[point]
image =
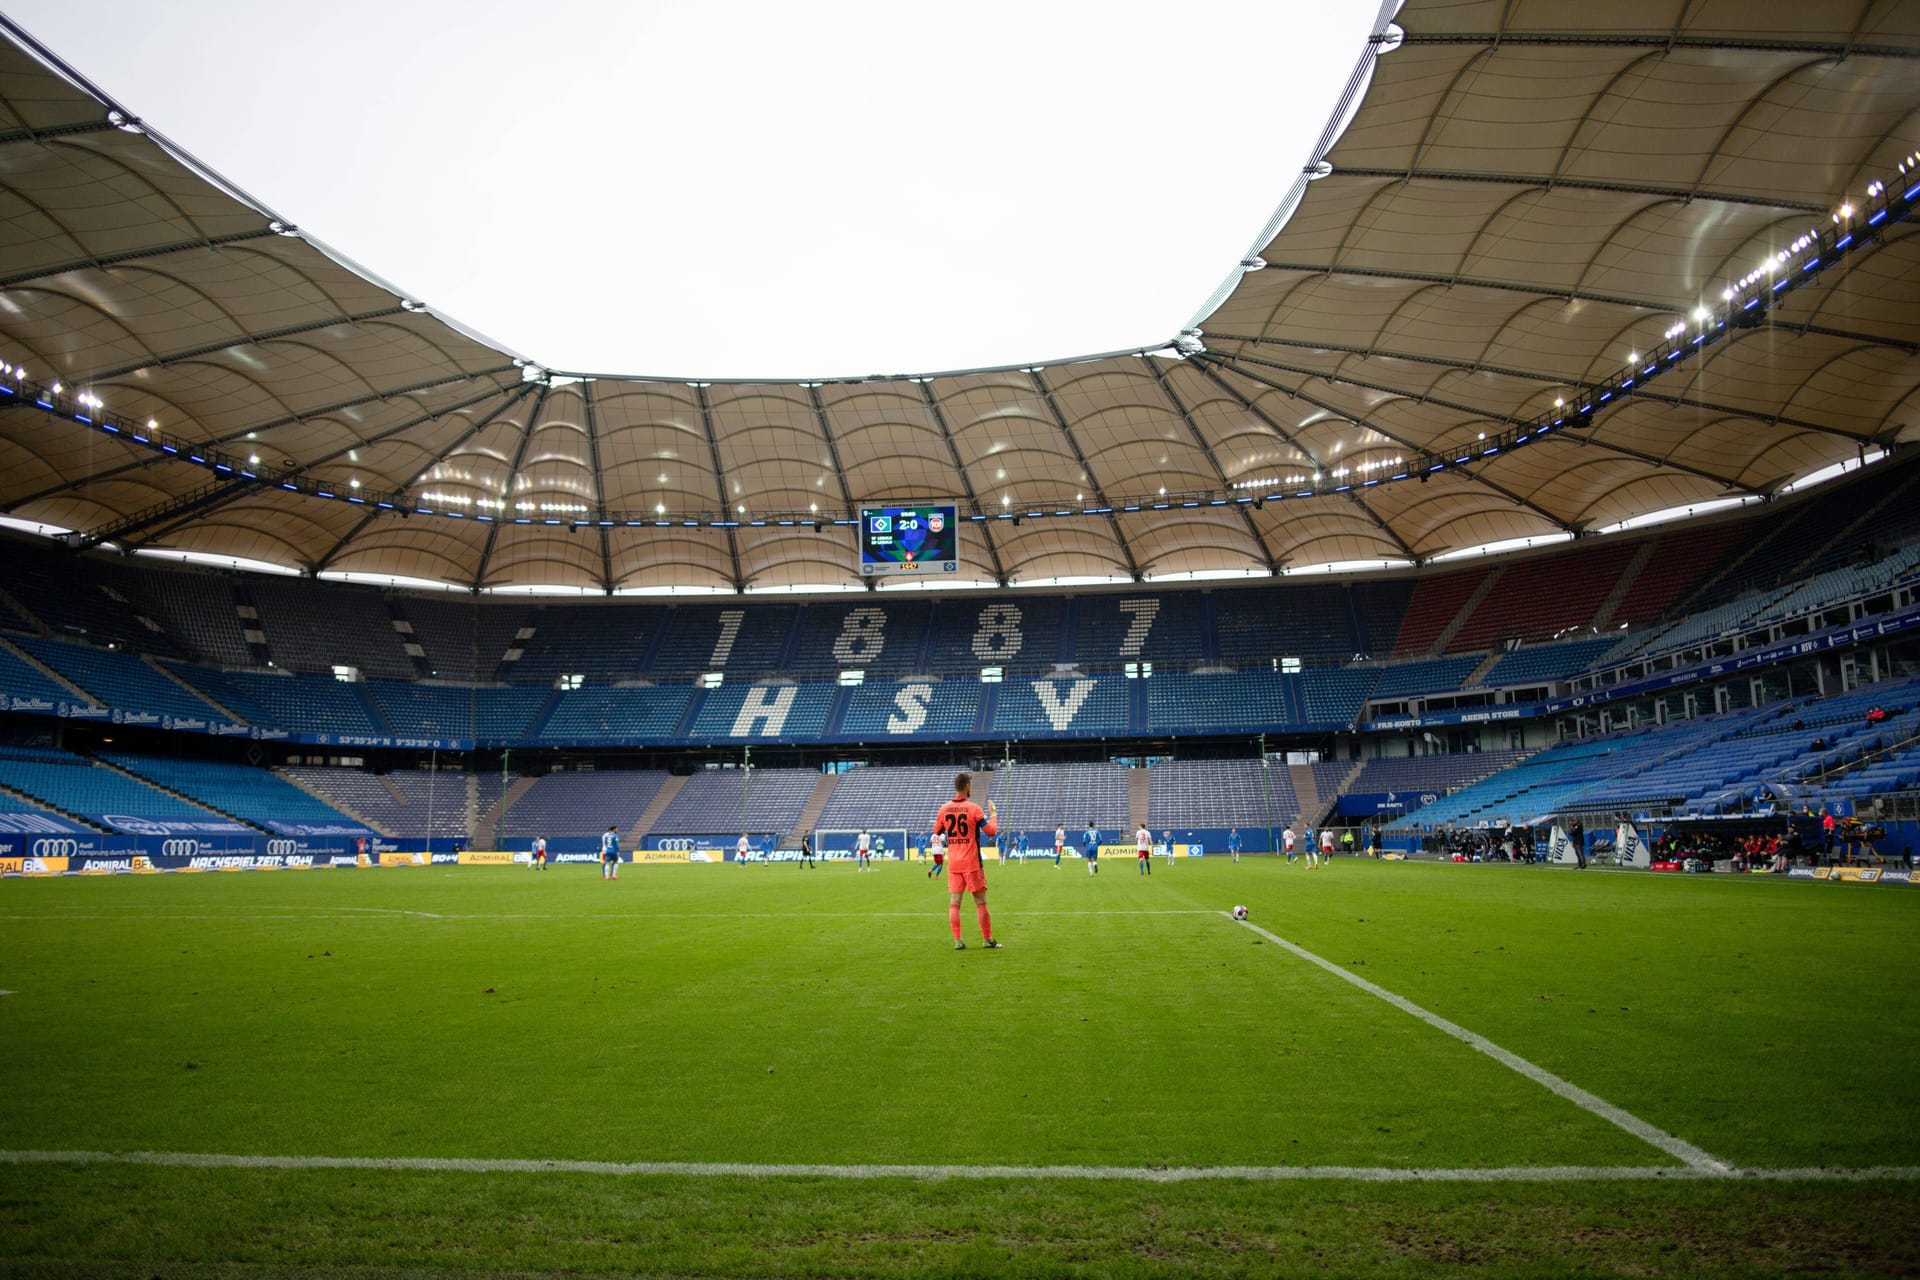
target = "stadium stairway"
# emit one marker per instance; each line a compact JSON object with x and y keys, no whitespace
{"x":816,"y":805}
{"x":1306,"y":790}
{"x":334,"y":802}
{"x":494,"y":819}
{"x":1138,"y":812}
{"x":661,"y":799}
{"x":200,"y":694}
{"x":26,"y":614}
{"x":399,"y":796}
{"x":1628,"y":576}
{"x":79,"y":694}
{"x":472,"y":804}
{"x":1474,"y":601}
{"x":1476,"y":677}
{"x":182,"y":796}
{"x":1327,"y":805}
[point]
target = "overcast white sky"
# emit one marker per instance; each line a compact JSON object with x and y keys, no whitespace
{"x":742,"y":189}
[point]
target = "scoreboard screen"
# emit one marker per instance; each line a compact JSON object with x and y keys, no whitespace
{"x":919,"y":539}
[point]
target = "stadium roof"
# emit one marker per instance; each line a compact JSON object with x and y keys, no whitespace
{"x":1520,"y":221}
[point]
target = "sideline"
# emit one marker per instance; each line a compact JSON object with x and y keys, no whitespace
{"x":939,"y":1172}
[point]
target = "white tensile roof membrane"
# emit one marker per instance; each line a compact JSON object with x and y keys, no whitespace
{"x":1527,"y":193}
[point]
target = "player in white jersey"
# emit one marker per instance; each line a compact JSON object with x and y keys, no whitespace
{"x":742,"y":849}
{"x":863,"y":852}
{"x":1143,"y":849}
{"x":1287,"y":838}
{"x":539,"y":853}
{"x":1059,"y":845}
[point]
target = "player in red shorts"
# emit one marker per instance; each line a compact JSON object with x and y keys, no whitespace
{"x":962,"y":823}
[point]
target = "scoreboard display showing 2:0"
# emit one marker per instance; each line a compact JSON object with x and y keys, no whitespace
{"x":913,"y":539}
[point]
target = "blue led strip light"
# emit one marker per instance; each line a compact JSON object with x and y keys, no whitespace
{"x":1745,"y":305}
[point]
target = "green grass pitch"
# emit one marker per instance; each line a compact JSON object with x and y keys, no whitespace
{"x":779,"y":1015}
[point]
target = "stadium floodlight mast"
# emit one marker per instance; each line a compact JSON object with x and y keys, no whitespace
{"x":1266,"y":788}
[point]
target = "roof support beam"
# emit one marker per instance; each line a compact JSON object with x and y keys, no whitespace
{"x":1458,"y":407}
{"x":215,"y":493}
{"x":1579,"y":184}
{"x":132,"y":255}
{"x":1472,"y":366}
{"x":1060,"y":420}
{"x":1205,"y":366}
{"x":1474,"y":476}
{"x":833,"y":448}
{"x":720,"y":483}
{"x":76,"y":129}
{"x":599,"y":484}
{"x":1226,"y":484}
{"x":519,"y":456}
{"x":1656,"y":40}
{"x":147,"y":461}
{"x":246,"y":339}
{"x":966,"y":481}
{"x":514,"y":396}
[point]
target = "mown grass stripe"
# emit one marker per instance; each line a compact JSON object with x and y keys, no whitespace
{"x":1678,"y":1148}
{"x":938,"y":1172}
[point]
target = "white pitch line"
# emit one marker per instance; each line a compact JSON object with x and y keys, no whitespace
{"x":1678,"y":1148}
{"x":937,"y":1172}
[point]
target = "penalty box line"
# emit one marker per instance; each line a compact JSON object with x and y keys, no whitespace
{"x":1680,"y":1149}
{"x":940,"y":1172}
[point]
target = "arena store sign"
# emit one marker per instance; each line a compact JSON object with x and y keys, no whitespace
{"x":1484,"y":715}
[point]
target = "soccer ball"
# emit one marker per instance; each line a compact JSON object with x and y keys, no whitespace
{"x":1239,"y":913}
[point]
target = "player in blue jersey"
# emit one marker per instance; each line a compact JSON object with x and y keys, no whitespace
{"x":1090,"y":845}
{"x":610,"y":854}
{"x":1233,"y":843}
{"x":1020,"y":846}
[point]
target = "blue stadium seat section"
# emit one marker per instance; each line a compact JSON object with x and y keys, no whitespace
{"x":73,"y":784}
{"x":912,"y":708}
{"x":714,"y":801}
{"x":85,"y":598}
{"x":21,"y":679}
{"x":1534,"y":664}
{"x":199,"y":610}
{"x":1039,"y":797}
{"x":735,"y":640}
{"x":1393,"y":786}
{"x":624,"y":714}
{"x":604,"y":643}
{"x":1014,"y":632}
{"x":460,"y":641}
{"x":1408,"y":679}
{"x":1110,"y":630}
{"x":1063,"y":706}
{"x":312,"y":626}
{"x":583,"y":803}
{"x":1335,"y":695}
{"x":770,"y":712}
{"x":1243,"y":701}
{"x":307,"y":703}
{"x":253,"y":795}
{"x":905,"y":796}
{"x":1312,"y":622}
{"x":457,"y":711}
{"x":220,"y":687}
{"x":409,"y":804}
{"x":1222,"y":793}
{"x":882,"y":640}
{"x":121,"y":680}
